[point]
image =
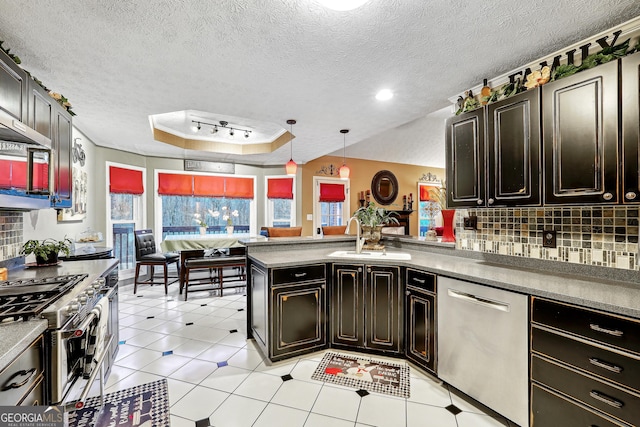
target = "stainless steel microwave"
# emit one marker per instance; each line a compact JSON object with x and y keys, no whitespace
{"x":25,"y":176}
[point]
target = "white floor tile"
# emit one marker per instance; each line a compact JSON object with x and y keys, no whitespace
{"x":125,"y":350}
{"x":139,"y":359}
{"x":237,"y":339}
{"x":277,"y":368}
{"x":192,"y":348}
{"x":259,"y":386}
{"x":167,"y":343}
{"x":317,"y":420}
{"x":177,"y":390}
{"x":126,"y":333}
{"x":118,"y":373}
{"x":465,"y":405}
{"x":237,"y":411}
{"x":226,"y":378}
{"x":297,"y":394}
{"x":130,"y":320}
{"x":180,"y":422}
{"x":218,"y":353}
{"x":382,"y":411}
{"x":429,"y":416}
{"x":245,"y":358}
{"x":203,"y":333}
{"x":274,"y":415}
{"x":304,"y":369}
{"x":144,"y":339}
{"x":211,"y":320}
{"x":166,"y":365}
{"x":194,"y":371}
{"x":199,"y":403}
{"x":429,"y":393}
{"x":148,"y":324}
{"x":338,"y":403}
{"x":168,"y":327}
{"x":137,"y":378}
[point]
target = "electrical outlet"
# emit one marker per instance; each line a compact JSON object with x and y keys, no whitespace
{"x":549,"y":238}
{"x":471,"y":222}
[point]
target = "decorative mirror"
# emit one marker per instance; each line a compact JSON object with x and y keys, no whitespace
{"x":384,"y":187}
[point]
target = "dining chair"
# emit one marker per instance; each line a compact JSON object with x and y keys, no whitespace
{"x":284,"y":231}
{"x":329,"y":230}
{"x":147,"y":254}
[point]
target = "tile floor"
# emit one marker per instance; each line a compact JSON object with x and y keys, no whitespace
{"x":217,"y":377}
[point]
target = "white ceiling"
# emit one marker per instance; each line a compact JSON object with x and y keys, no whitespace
{"x":119,"y":62}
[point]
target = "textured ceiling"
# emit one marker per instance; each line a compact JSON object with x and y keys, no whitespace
{"x":271,"y":60}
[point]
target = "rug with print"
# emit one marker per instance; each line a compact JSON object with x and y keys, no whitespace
{"x":364,"y":373}
{"x":145,"y":405}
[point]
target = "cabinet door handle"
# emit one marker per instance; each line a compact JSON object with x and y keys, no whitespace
{"x":600,"y":364}
{"x":607,"y":196}
{"x":421,"y":281}
{"x":299,"y":275}
{"x":479,"y":202}
{"x":630,"y":195}
{"x":30,"y":373}
{"x":598,"y":328}
{"x":606,"y":399}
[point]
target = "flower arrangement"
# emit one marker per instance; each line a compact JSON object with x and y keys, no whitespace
{"x":373,"y":216}
{"x":62,"y":100}
{"x":538,"y":77}
{"x":439,"y":196}
{"x":199,"y":220}
{"x":228,"y":216}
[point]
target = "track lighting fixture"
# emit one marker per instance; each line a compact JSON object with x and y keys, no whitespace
{"x":197,"y":125}
{"x":344,"y":170}
{"x":291,"y":167}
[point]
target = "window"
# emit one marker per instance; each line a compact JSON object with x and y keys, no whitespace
{"x":280,"y":201}
{"x":186,"y":201}
{"x":428,"y":210}
{"x":125,"y":208}
{"x":331,"y":206}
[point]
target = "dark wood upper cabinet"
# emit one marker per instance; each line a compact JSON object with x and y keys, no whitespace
{"x":513,"y":150}
{"x":13,"y":88}
{"x":631,"y":128}
{"x":580,"y":130}
{"x":41,"y":107}
{"x":465,"y":159}
{"x":63,"y":172}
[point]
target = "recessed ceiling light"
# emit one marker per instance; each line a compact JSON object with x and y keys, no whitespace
{"x":384,"y":95}
{"x":342,"y":4}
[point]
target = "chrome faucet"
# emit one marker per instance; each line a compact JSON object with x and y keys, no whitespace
{"x":359,"y":240}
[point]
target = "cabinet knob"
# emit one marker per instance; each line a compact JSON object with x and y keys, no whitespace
{"x":480,"y":202}
{"x":368,"y":270}
{"x":630,"y":195}
{"x":407,"y":293}
{"x":359,"y":269}
{"x":490,"y":201}
{"x":607,"y":196}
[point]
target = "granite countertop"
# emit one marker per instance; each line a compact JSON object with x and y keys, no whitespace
{"x":15,"y":337}
{"x":616,"y":296}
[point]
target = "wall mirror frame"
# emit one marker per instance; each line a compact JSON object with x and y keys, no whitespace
{"x":384,"y":187}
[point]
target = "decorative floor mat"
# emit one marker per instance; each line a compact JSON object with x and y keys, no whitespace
{"x":145,"y":405}
{"x":364,"y":373}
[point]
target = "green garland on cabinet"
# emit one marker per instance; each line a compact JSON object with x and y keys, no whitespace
{"x":507,"y":90}
{"x":60,"y":99}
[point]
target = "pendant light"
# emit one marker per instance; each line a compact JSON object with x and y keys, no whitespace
{"x":344,"y":169}
{"x":291,"y":167}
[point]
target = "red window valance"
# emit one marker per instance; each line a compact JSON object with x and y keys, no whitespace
{"x":210,"y":186}
{"x":280,"y":188}
{"x":125,"y":181}
{"x":170,"y":184}
{"x":331,"y":192}
{"x":239,"y":188}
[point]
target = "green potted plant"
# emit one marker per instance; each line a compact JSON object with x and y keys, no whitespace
{"x":47,"y":250}
{"x":372,"y":218}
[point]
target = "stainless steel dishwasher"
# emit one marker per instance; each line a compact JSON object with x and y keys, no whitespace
{"x":483,"y":345}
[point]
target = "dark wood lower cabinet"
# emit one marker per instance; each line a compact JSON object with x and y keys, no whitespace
{"x":549,"y":409}
{"x":367,"y":308}
{"x":298,"y":318}
{"x":420,"y":324}
{"x":258,"y":309}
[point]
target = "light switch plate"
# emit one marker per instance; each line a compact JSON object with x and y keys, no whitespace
{"x":309,"y":217}
{"x":549,"y":238}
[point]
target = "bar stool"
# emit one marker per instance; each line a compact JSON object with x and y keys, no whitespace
{"x":147,"y":254}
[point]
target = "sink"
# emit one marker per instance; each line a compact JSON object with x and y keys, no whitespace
{"x":377,"y":255}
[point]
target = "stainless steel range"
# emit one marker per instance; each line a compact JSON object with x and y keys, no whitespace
{"x":77,"y":311}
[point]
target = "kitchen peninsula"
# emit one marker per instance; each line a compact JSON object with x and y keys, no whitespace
{"x":301,"y":298}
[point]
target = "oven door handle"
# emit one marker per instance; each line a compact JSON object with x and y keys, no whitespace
{"x":29,"y":374}
{"x":82,"y":328}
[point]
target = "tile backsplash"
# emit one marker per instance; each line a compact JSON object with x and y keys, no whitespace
{"x":10,"y":234}
{"x":599,"y":236}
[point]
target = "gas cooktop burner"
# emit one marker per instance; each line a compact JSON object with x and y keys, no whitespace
{"x":22,"y":299}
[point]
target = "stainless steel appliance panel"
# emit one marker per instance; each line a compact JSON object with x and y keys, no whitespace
{"x":483,"y":345}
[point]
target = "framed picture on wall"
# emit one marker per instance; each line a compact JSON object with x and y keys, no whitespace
{"x":78,"y":210}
